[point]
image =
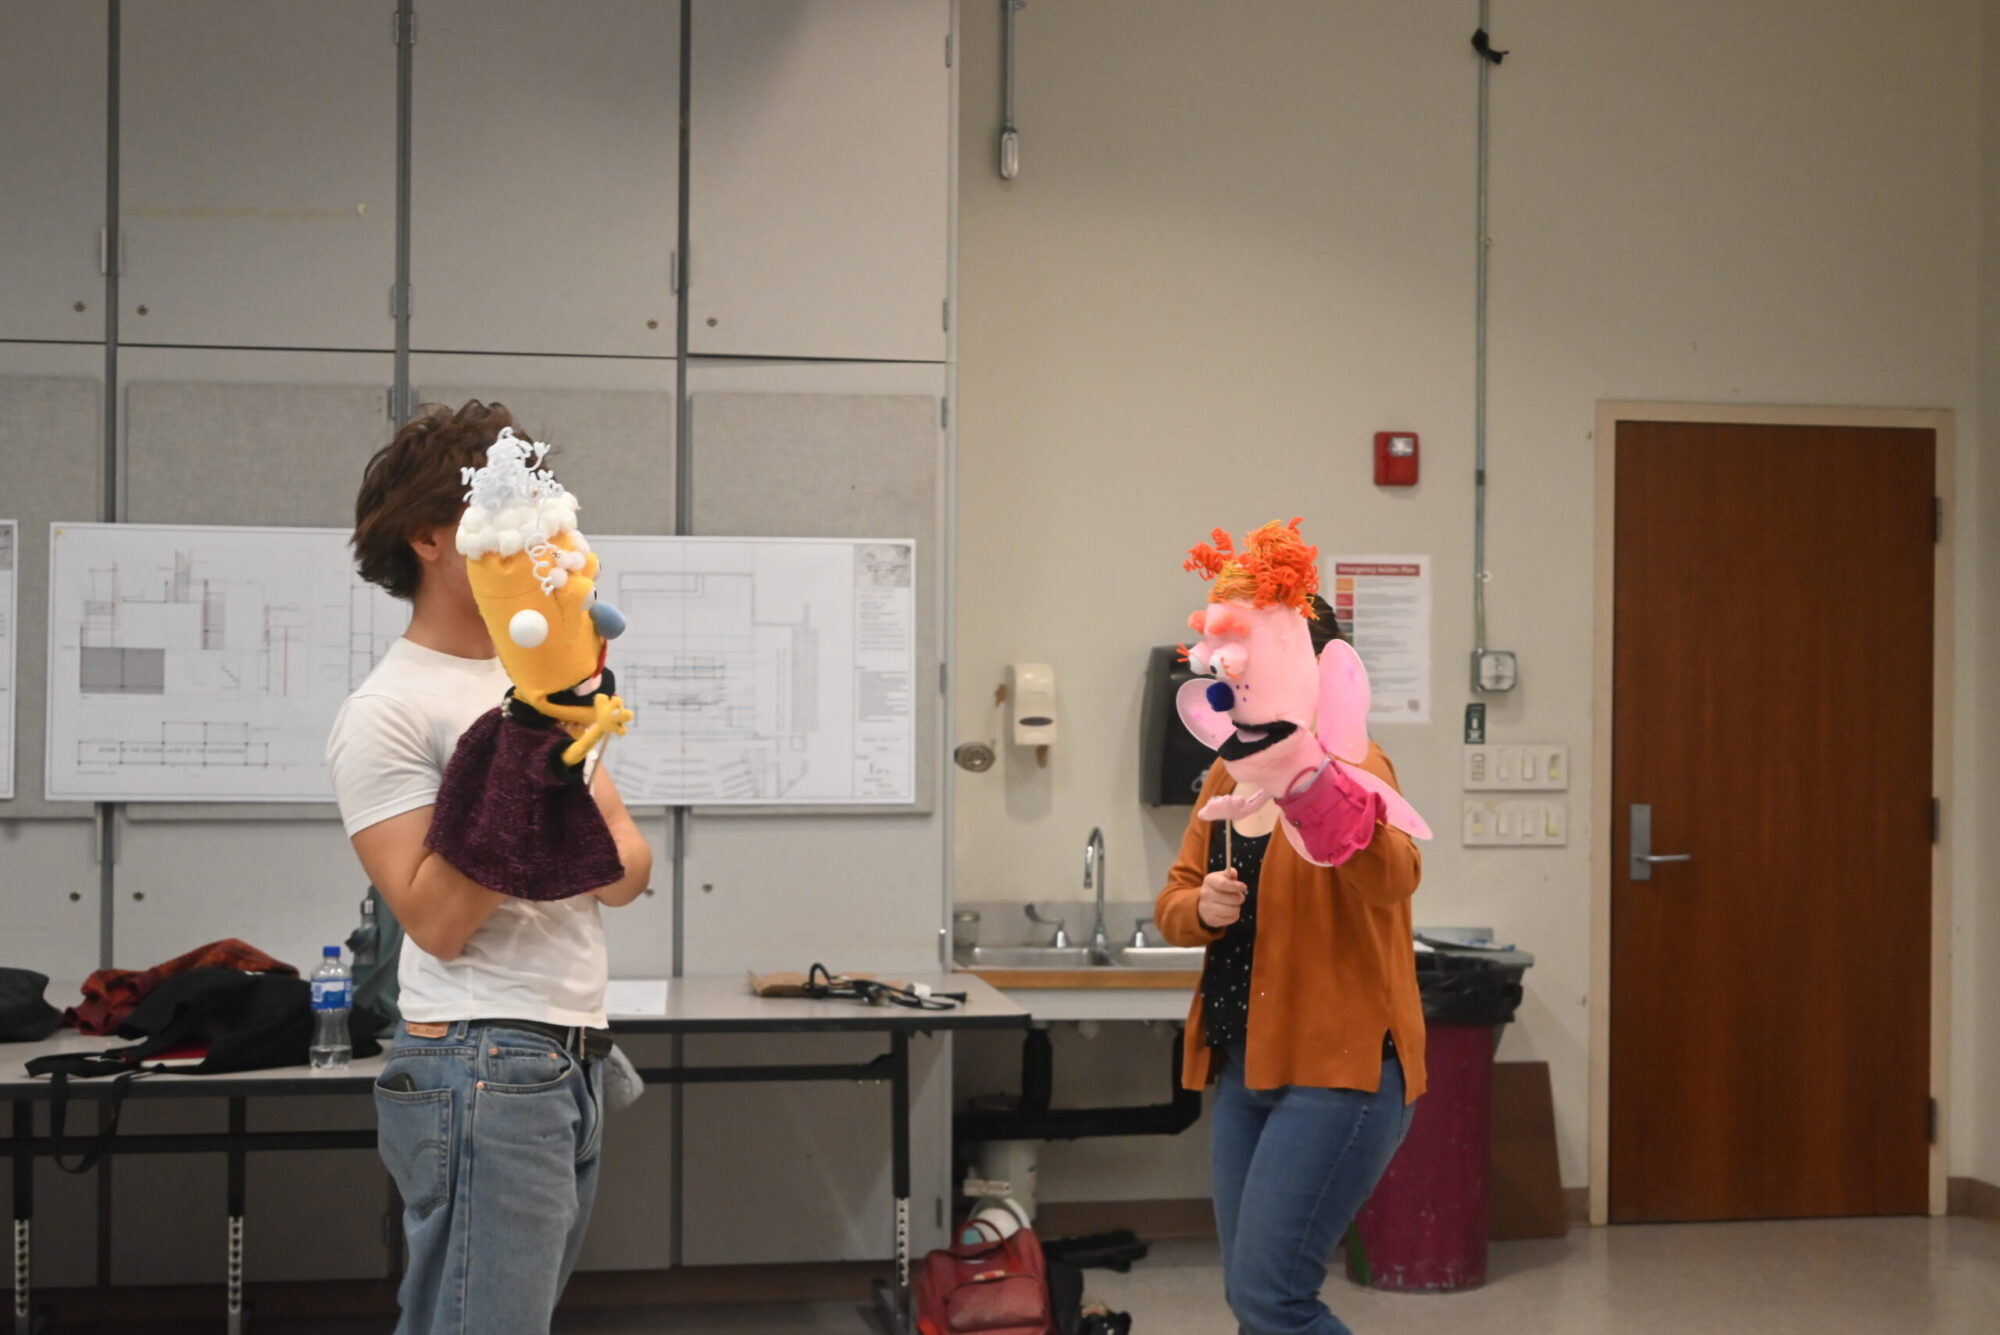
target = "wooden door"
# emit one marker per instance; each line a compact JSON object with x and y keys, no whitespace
{"x":1770,"y":1035}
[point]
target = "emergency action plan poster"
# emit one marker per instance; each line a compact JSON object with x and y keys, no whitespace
{"x":1385,"y":603}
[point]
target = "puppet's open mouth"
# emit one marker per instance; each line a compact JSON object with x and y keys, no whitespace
{"x":1249,"y":739}
{"x":597,"y":683}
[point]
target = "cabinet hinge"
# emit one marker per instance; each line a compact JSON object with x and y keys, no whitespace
{"x":1937,"y":519}
{"x":947,"y":315}
{"x":1937,"y":821}
{"x":944,"y":414}
{"x":399,"y":301}
{"x":947,"y":50}
{"x":674,"y":272}
{"x":944,"y":677}
{"x":1931,"y":1128}
{"x":396,"y":30}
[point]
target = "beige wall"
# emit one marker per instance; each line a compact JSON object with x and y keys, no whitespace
{"x":1976,"y":1041}
{"x":1241,"y":242}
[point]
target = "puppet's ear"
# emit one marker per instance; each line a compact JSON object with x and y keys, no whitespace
{"x":1343,"y":703}
{"x":1210,"y":728}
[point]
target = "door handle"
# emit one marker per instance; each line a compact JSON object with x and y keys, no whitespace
{"x":1644,"y":859}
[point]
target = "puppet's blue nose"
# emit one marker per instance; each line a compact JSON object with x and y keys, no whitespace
{"x":1220,"y":697}
{"x":609,"y":621}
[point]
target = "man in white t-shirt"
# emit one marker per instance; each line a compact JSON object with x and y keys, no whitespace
{"x":495,"y":1058}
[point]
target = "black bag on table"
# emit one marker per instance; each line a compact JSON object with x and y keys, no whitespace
{"x":244,"y":1021}
{"x":25,"y":1016}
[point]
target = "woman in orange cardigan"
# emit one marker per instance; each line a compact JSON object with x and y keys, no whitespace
{"x":1309,"y":1023}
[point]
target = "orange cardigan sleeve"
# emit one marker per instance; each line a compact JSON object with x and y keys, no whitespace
{"x":1175,"y":912}
{"x":1388,"y":870}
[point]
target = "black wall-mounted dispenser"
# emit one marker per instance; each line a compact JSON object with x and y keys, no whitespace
{"x":1172,"y":763}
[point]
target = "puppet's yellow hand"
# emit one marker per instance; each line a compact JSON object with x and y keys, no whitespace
{"x":611,"y":718}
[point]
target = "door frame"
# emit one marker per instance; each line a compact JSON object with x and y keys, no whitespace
{"x":1610,"y":412}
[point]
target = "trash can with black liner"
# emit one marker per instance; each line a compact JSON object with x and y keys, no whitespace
{"x":1424,"y":1229}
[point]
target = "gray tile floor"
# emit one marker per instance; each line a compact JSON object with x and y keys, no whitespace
{"x":1834,"y":1277}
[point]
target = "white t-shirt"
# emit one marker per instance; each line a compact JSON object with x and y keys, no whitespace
{"x":390,"y":744}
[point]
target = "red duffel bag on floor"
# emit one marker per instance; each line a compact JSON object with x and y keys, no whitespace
{"x":992,"y":1286}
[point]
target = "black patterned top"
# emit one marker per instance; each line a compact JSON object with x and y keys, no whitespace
{"x":1225,"y":976}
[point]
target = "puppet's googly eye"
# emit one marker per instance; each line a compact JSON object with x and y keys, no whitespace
{"x":1198,"y":661}
{"x":528,"y":629}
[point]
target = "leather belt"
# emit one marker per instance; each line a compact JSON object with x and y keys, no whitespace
{"x":574,"y":1039}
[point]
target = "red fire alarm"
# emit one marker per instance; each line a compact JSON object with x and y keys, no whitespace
{"x":1395,"y":458}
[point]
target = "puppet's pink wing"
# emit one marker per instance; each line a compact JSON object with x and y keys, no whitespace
{"x":1343,"y":703}
{"x":1210,"y":728}
{"x":1396,"y":809}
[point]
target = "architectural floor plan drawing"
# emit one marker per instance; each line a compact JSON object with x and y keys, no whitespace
{"x":10,"y":551}
{"x":764,"y":671}
{"x":203,"y":664}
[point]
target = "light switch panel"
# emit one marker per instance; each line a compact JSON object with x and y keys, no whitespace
{"x":1491,"y":822}
{"x":1524,"y":768}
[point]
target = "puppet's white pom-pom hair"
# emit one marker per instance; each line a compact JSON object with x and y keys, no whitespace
{"x":528,"y":629}
{"x":512,"y":503}
{"x":570,"y":560}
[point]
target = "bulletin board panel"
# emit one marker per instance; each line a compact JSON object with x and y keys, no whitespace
{"x":267,"y":454}
{"x":50,"y":432}
{"x":837,"y":466}
{"x":280,"y":452}
{"x":613,"y":448}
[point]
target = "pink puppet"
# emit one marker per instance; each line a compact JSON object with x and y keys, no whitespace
{"x":1288,"y":725}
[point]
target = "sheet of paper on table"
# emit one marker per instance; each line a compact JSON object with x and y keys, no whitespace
{"x":635,"y":996}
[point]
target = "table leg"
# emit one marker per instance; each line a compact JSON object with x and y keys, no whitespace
{"x":900,"y":1083}
{"x":239,"y":1123}
{"x":24,"y":1213}
{"x":894,"y":1304}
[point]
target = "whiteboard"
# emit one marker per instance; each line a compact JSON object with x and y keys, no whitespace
{"x":9,"y":671}
{"x":203,"y":663}
{"x":764,"y":671}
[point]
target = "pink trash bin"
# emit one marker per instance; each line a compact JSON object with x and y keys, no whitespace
{"x":1424,"y":1229}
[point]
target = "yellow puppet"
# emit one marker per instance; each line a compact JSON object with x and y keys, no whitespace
{"x":514,"y":812}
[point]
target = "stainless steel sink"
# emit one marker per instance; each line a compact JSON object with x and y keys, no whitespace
{"x":1028,"y":957}
{"x":1160,"y":957}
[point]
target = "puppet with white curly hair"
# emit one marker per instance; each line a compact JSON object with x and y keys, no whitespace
{"x":514,"y":812}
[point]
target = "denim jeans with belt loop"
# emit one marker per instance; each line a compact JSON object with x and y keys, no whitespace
{"x":492,"y":1135}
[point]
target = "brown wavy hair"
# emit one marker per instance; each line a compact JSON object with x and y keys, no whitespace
{"x":413,"y":484}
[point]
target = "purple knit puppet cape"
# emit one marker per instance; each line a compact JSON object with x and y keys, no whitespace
{"x":514,"y":818}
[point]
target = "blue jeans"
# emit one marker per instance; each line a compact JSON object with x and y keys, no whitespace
{"x":493,"y":1141}
{"x":1291,"y":1169}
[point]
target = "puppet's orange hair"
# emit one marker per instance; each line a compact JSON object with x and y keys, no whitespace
{"x":1275,"y":567}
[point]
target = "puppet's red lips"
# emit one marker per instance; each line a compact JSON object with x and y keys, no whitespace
{"x":1249,"y":739}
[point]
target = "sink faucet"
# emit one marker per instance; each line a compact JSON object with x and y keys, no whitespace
{"x":1060,"y":941}
{"x":1093,"y":879}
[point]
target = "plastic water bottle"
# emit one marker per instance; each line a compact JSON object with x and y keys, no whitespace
{"x":333,"y":994}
